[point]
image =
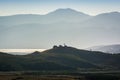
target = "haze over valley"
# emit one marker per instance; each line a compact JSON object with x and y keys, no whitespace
{"x":75,"y":28}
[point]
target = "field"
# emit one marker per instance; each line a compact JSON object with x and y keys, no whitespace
{"x":56,"y":76}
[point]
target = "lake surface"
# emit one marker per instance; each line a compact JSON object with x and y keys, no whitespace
{"x":20,"y":51}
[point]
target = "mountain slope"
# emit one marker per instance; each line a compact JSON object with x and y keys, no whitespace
{"x":105,"y":20}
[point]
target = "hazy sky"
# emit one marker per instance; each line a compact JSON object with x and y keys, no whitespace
{"x":92,"y":7}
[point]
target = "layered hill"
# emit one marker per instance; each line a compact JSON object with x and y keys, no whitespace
{"x":60,"y":26}
{"x":60,"y":58}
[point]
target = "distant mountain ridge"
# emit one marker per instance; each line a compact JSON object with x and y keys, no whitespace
{"x":114,"y":49}
{"x":52,"y":17}
{"x":60,"y":58}
{"x":60,"y":26}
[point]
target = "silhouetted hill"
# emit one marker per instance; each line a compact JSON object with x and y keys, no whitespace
{"x":60,"y":58}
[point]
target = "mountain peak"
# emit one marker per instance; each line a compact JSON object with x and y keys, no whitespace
{"x":66,"y":11}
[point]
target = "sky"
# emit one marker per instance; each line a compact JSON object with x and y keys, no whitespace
{"x":91,"y":7}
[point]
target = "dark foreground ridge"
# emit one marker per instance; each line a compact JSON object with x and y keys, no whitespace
{"x":60,"y":58}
